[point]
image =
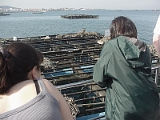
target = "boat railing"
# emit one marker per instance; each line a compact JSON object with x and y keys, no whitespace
{"x":99,"y":118}
{"x":155,"y":69}
{"x":73,"y":84}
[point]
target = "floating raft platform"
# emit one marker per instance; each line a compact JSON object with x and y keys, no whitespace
{"x":79,"y":16}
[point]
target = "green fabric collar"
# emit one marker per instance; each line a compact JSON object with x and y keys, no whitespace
{"x":131,"y":48}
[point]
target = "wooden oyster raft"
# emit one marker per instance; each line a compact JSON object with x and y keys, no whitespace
{"x":69,"y":60}
{"x":79,"y":16}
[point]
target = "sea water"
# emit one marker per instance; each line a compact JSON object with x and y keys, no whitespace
{"x":26,"y":24}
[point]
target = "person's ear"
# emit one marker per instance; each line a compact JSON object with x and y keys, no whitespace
{"x":34,"y":72}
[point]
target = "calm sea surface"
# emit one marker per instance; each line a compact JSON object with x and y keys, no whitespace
{"x":26,"y":24}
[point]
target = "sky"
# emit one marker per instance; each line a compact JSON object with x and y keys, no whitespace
{"x":92,"y":4}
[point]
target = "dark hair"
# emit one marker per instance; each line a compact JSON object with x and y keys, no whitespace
{"x":122,"y":26}
{"x":16,"y":61}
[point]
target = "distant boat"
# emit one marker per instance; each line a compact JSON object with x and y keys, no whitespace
{"x":38,"y":12}
{"x":79,"y":16}
{"x":3,"y":14}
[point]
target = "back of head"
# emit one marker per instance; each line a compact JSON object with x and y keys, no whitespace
{"x":16,"y":61}
{"x":122,"y":26}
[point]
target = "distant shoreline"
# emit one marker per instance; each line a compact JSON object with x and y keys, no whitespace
{"x":18,"y":9}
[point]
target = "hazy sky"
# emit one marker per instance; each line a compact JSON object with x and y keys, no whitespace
{"x":96,"y":4}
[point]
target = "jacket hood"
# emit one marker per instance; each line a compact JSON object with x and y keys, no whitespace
{"x":131,"y":48}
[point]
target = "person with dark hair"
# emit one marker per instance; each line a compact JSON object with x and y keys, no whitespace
{"x":24,"y":95}
{"x":124,"y":67}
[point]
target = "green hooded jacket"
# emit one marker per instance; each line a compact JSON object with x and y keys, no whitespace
{"x":124,"y":67}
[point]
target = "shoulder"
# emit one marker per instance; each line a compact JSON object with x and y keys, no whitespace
{"x":49,"y":85}
{"x":52,"y":89}
{"x":47,"y":82}
{"x":112,"y":44}
{"x":156,"y":37}
{"x":64,"y":108}
{"x":109,"y":44}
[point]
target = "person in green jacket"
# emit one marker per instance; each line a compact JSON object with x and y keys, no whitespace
{"x":124,"y":67}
